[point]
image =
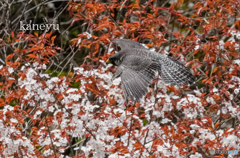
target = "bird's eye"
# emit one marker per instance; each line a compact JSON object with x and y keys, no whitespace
{"x":117,"y":62}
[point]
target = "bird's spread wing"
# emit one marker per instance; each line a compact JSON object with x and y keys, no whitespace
{"x":133,"y":86}
{"x":139,"y":66}
{"x":137,"y":74}
{"x":175,"y":73}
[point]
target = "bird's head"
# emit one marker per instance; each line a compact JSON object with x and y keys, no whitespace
{"x":120,"y":45}
{"x":114,"y":59}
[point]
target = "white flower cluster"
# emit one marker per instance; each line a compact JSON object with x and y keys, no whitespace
{"x":12,"y":145}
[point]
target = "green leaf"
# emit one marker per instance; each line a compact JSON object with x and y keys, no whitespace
{"x":145,"y":122}
{"x":75,"y":84}
{"x":79,"y":140}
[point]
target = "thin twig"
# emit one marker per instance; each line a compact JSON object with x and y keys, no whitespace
{"x":51,"y":139}
{"x":130,"y":129}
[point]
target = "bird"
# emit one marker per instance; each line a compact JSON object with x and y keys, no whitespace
{"x":137,"y":66}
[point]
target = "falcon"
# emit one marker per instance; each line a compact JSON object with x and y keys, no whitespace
{"x":137,"y":67}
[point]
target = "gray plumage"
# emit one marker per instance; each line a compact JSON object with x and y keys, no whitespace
{"x":137,"y":67}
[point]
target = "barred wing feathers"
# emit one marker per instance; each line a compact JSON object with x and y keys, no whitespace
{"x":137,"y":74}
{"x":175,"y":73}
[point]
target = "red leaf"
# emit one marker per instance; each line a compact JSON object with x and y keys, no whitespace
{"x":34,"y":49}
{"x":2,"y":102}
{"x":195,"y":52}
{"x":171,"y":8}
{"x":215,"y":69}
{"x":52,"y":39}
{"x":12,"y":34}
{"x":198,"y":143}
{"x":137,"y":146}
{"x":217,"y":124}
{"x":9,"y":56}
{"x":124,"y":151}
{"x":181,"y":145}
{"x":36,"y":34}
{"x":194,"y":149}
{"x":32,"y":56}
{"x":179,"y":2}
{"x":112,"y":101}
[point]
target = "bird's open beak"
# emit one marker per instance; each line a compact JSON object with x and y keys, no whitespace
{"x":108,"y":61}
